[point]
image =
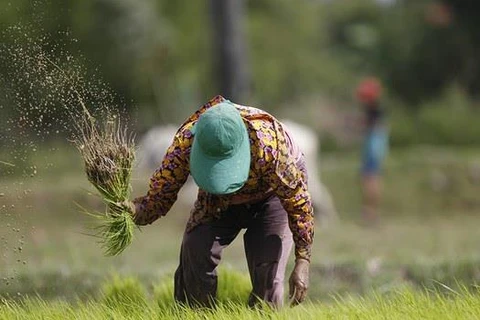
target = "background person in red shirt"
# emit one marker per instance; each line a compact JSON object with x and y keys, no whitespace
{"x":375,"y":146}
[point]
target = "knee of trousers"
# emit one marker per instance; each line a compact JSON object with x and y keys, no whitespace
{"x":200,"y":248}
{"x":266,"y":276}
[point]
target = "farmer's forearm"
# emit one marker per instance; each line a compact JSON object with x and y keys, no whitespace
{"x":160,"y":197}
{"x":300,"y":217}
{"x":297,"y":202}
{"x":164,"y":186}
{"x":302,"y":227}
{"x":147,"y":209}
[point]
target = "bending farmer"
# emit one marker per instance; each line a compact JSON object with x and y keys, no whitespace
{"x":251,"y":175}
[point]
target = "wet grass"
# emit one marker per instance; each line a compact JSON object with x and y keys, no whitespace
{"x":128,"y":301}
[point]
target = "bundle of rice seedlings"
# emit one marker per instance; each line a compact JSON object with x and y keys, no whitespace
{"x":109,"y":153}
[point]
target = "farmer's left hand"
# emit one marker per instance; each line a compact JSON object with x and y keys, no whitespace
{"x":299,"y":281}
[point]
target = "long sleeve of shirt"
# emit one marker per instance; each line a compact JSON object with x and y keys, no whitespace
{"x":297,"y":203}
{"x":166,"y":181}
{"x":288,"y":179}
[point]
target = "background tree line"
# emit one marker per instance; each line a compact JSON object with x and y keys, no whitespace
{"x":163,"y":58}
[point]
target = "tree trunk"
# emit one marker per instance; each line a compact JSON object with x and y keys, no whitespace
{"x":230,"y":49}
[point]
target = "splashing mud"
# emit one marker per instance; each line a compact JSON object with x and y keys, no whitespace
{"x":46,"y":94}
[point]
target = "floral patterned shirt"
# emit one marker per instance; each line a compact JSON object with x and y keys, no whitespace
{"x":273,"y":169}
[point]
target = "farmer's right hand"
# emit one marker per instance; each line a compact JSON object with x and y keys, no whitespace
{"x":129,"y":206}
{"x":135,"y":211}
{"x":139,"y":216}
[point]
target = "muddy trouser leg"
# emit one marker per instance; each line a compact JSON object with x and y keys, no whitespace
{"x":268,"y":242}
{"x":196,"y":275}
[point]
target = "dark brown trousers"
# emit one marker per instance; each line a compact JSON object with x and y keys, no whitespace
{"x":267,"y":240}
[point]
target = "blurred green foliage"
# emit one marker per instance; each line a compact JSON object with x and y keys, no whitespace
{"x":157,"y":55}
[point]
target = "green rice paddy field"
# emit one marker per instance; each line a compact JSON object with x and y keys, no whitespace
{"x":403,"y":305}
{"x":421,"y":262}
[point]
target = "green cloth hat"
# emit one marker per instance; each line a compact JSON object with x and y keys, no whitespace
{"x":220,"y":155}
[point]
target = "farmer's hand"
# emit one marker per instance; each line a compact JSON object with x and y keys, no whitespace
{"x":129,"y":206}
{"x":299,"y":281}
{"x":137,"y":214}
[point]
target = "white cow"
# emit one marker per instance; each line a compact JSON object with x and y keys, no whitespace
{"x":154,"y":143}
{"x":153,"y":146}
